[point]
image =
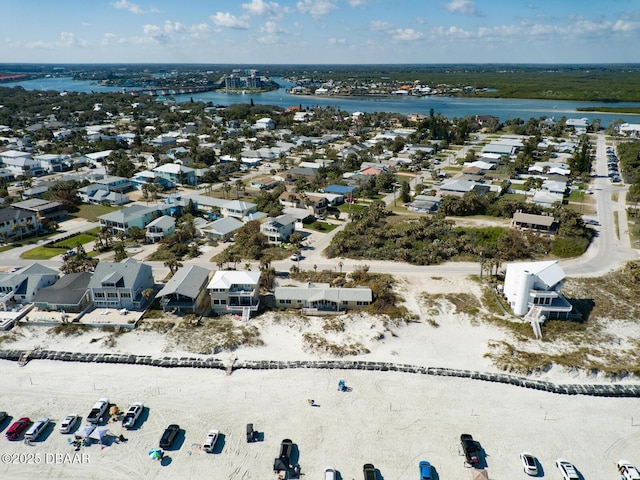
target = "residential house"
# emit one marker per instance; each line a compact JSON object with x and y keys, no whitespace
{"x":22,"y":285}
{"x":238,"y":208}
{"x":176,"y":173}
{"x":186,"y":291}
{"x":547,"y":199}
{"x":15,"y":223}
{"x":424,"y":204}
{"x":278,"y":229}
{"x":533,"y":289}
{"x":115,"y":184}
{"x":264,"y":183}
{"x":460,"y":187}
{"x":35,"y":192}
{"x":323,"y":298}
{"x":315,"y":204}
{"x":99,"y":194}
{"x":160,"y":228}
{"x":235,"y":291}
{"x":51,"y":162}
{"x":43,"y":209}
{"x":20,"y":163}
{"x":265,"y":124}
{"x":499,"y":149}
{"x":70,"y":294}
{"x":530,"y":221}
{"x":222,"y":229}
{"x":134,"y":216}
{"x":344,"y":190}
{"x":120,"y":285}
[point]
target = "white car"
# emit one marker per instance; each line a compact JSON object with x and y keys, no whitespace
{"x":627,"y":470}
{"x":296,"y":257}
{"x":210,"y":441}
{"x":36,"y":429}
{"x":567,"y":469}
{"x":529,"y":463}
{"x":68,"y":423}
{"x":329,"y":474}
{"x":132,"y":414}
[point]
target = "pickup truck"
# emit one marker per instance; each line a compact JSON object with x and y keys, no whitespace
{"x":132,"y":414}
{"x":98,"y":410}
{"x":470,"y":448}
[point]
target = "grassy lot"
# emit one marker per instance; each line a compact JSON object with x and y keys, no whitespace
{"x":352,"y":207}
{"x":320,"y":226}
{"x":92,"y":212}
{"x":58,"y":248}
{"x":74,"y":241}
{"x":41,"y":253}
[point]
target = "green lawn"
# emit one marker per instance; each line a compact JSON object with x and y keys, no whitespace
{"x":320,"y":226}
{"x":41,"y":253}
{"x":92,"y":212}
{"x":352,"y":207}
{"x":74,"y":241}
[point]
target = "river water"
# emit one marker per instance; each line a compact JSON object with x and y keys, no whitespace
{"x":450,"y":107}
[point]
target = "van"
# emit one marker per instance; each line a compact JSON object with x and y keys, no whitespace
{"x":329,"y":474}
{"x":36,"y":429}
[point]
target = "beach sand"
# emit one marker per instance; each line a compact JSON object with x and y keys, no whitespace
{"x":390,"y":419}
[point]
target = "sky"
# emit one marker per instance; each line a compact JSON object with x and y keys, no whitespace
{"x":320,"y":31}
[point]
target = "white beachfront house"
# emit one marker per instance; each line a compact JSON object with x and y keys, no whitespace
{"x":533,"y":289}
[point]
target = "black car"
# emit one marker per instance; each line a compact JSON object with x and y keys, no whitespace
{"x":286,"y":447}
{"x":369,"y":471}
{"x":3,"y":416}
{"x":169,"y":436}
{"x":252,"y":435}
{"x":470,"y":448}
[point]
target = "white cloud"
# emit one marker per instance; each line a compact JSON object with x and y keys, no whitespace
{"x":420,"y":20}
{"x":272,"y":28}
{"x":229,"y":21}
{"x":378,"y":26}
{"x":126,"y":5}
{"x":357,"y":3}
{"x":163,"y":34}
{"x":200,"y":29}
{"x":625,"y":26}
{"x":466,"y":7}
{"x":260,"y":8}
{"x":406,"y":35}
{"x":337,"y":41}
{"x":316,"y":8}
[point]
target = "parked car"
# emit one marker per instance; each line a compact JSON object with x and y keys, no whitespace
{"x":36,"y":429}
{"x":252,"y":435}
{"x":627,"y":470}
{"x":296,"y":257}
{"x":425,"y":470}
{"x":210,"y":441}
{"x":369,"y":471}
{"x":470,"y":448}
{"x":286,"y":447}
{"x":529,"y":463}
{"x":66,"y":426}
{"x":329,"y":474}
{"x":3,"y":416}
{"x":169,"y":436}
{"x":16,"y":428}
{"x":567,"y":469}
{"x":132,"y":414}
{"x":98,"y":410}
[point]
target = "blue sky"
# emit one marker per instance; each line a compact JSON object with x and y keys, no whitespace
{"x":320,"y":31}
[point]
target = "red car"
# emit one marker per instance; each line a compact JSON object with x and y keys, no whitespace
{"x":16,"y":428}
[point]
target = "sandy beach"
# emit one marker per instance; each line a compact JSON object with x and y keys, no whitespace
{"x":390,"y":419}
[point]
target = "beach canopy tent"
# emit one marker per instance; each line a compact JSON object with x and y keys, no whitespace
{"x":477,"y":474}
{"x":85,"y":431}
{"x":99,"y":433}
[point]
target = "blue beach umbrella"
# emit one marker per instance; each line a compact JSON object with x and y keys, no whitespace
{"x":155,"y":453}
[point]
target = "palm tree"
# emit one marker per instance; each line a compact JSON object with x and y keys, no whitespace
{"x":239,"y":186}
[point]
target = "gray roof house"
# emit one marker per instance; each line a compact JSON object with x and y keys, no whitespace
{"x":160,"y":228}
{"x":222,"y":229}
{"x":316,"y":298}
{"x":134,"y":216}
{"x":186,"y":291}
{"x":21,"y":286}
{"x":278,"y":229}
{"x":69,"y":294}
{"x":120,"y":285}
